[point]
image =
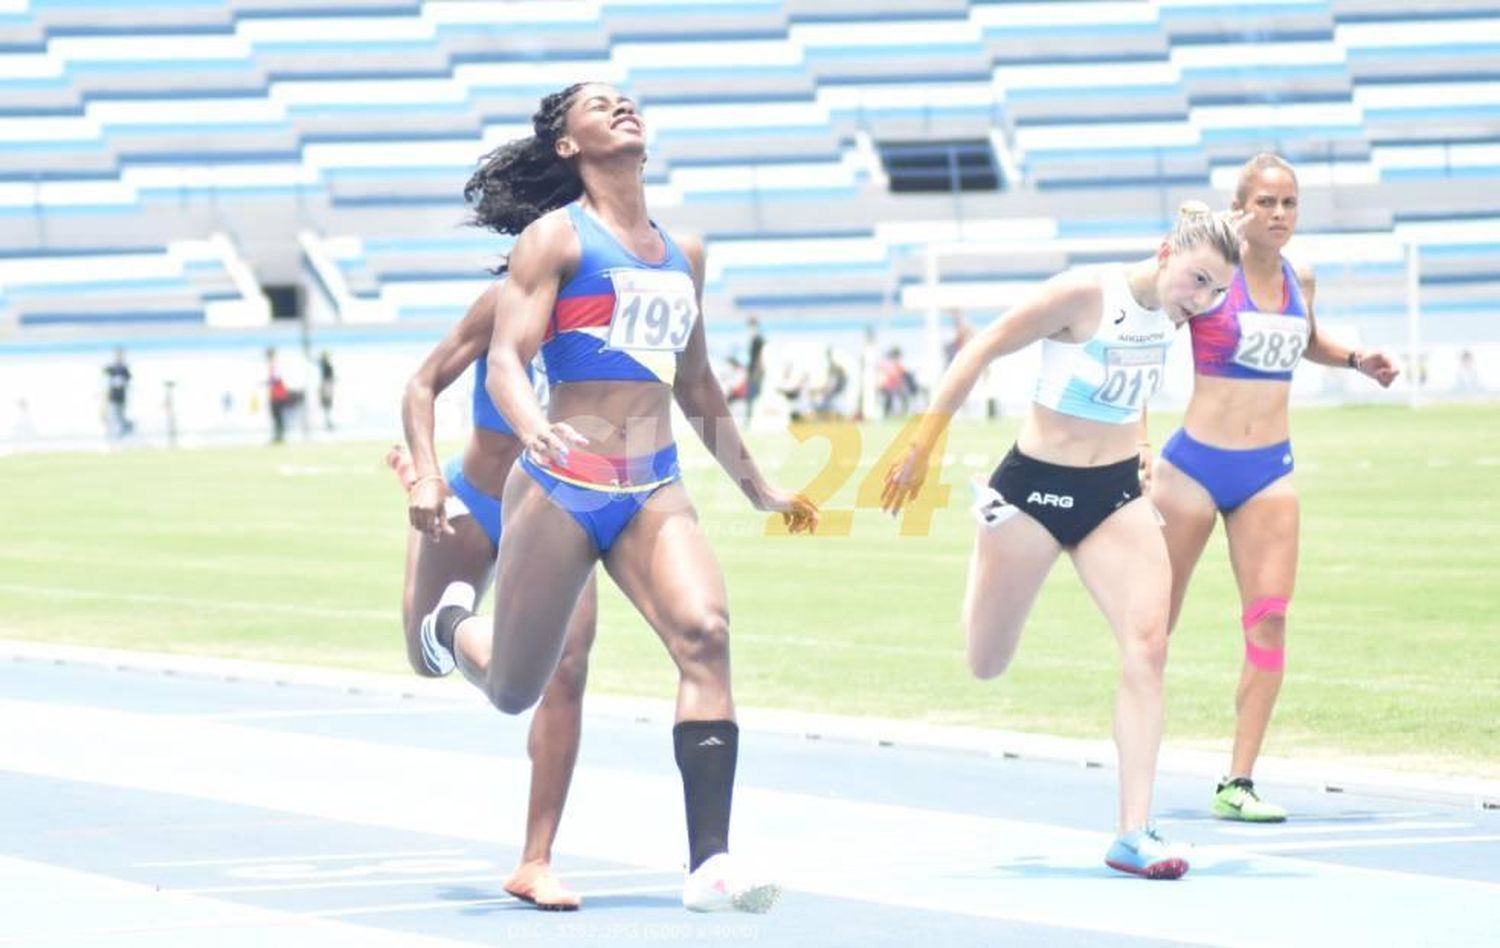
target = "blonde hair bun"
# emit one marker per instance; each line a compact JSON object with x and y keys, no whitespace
{"x":1188,"y":210}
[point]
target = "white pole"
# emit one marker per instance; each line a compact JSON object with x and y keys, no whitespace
{"x":934,"y":340}
{"x":1414,"y":324}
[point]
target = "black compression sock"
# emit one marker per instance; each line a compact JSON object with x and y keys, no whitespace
{"x":448,"y":619}
{"x":706,"y":755}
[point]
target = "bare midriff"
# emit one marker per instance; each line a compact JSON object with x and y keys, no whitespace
{"x":1238,"y":413}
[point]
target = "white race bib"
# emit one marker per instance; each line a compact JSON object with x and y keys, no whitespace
{"x":1130,"y":376}
{"x":654,"y":310}
{"x":1270,"y":342}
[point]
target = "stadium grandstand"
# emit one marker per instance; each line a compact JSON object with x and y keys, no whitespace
{"x":204,"y":178}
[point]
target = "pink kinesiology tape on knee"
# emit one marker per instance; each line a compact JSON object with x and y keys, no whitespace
{"x":1262,"y":607}
{"x":1266,"y":659}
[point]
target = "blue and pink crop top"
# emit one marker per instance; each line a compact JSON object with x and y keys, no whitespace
{"x":1237,"y":341}
{"x":619,"y":317}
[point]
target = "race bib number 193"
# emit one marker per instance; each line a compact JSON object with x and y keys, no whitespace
{"x":654,"y":310}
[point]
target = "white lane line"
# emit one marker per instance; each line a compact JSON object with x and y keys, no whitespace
{"x":451,"y":904}
{"x":49,"y":905}
{"x":1320,"y":845}
{"x":1355,"y":818}
{"x":946,"y":862}
{"x":210,"y":603}
{"x":1329,"y":830}
{"x":323,"y":857}
{"x":402,"y":710}
{"x":1476,"y":792}
{"x":404,"y":685}
{"x":490,"y":878}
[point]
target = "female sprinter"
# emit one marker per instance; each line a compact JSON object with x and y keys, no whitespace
{"x":455,"y":519}
{"x":1233,"y":454}
{"x":613,"y":303}
{"x":1071,"y":482}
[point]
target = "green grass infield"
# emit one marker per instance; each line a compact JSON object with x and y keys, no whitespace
{"x":295,"y":553}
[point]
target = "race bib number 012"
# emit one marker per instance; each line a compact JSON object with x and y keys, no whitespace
{"x":1130,"y":376}
{"x":1270,"y":342}
{"x":654,"y":310}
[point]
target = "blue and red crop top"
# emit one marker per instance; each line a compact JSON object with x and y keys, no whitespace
{"x":1237,"y":341}
{"x":619,"y":317}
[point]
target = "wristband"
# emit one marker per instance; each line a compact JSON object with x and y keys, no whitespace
{"x":1353,"y":360}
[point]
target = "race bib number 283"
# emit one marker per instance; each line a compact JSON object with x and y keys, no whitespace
{"x":1270,"y":342}
{"x":654,"y":310}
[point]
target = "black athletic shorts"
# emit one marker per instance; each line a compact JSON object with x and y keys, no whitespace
{"x":1069,"y":501}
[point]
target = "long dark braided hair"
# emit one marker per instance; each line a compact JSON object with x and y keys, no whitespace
{"x":524,"y":179}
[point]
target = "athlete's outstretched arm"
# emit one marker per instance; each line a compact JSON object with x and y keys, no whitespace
{"x":447,"y":361}
{"x":545,"y":252}
{"x":1324,"y":351}
{"x":698,"y":393}
{"x":1049,"y":311}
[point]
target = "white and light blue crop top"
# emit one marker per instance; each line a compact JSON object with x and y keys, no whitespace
{"x":619,"y":317}
{"x":1108,"y":378}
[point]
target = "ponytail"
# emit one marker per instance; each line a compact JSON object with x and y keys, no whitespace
{"x":521,"y":180}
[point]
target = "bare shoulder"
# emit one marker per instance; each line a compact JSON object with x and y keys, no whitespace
{"x":480,"y":317}
{"x":1304,"y":272}
{"x":486,"y":299}
{"x":470,"y":336}
{"x":1075,"y":290}
{"x":692,"y":247}
{"x":549,"y":242}
{"x":690,"y":242}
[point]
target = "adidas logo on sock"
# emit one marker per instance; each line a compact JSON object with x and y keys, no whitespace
{"x":710,"y":741}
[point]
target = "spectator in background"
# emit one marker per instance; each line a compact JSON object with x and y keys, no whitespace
{"x":325,"y":388}
{"x":795,"y":385}
{"x":897,"y":384}
{"x":961,"y":335}
{"x":169,"y":410}
{"x":735,"y":382}
{"x":1467,"y":379}
{"x":826,"y":396}
{"x":117,"y":378}
{"x":755,"y":367}
{"x":23,"y":428}
{"x":281,"y":398}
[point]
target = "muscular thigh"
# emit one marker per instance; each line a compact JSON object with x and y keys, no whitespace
{"x":1011,"y":561}
{"x":1125,"y":567}
{"x":1188,"y":514}
{"x":545,"y":559}
{"x":665,"y":566}
{"x":1263,"y":539}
